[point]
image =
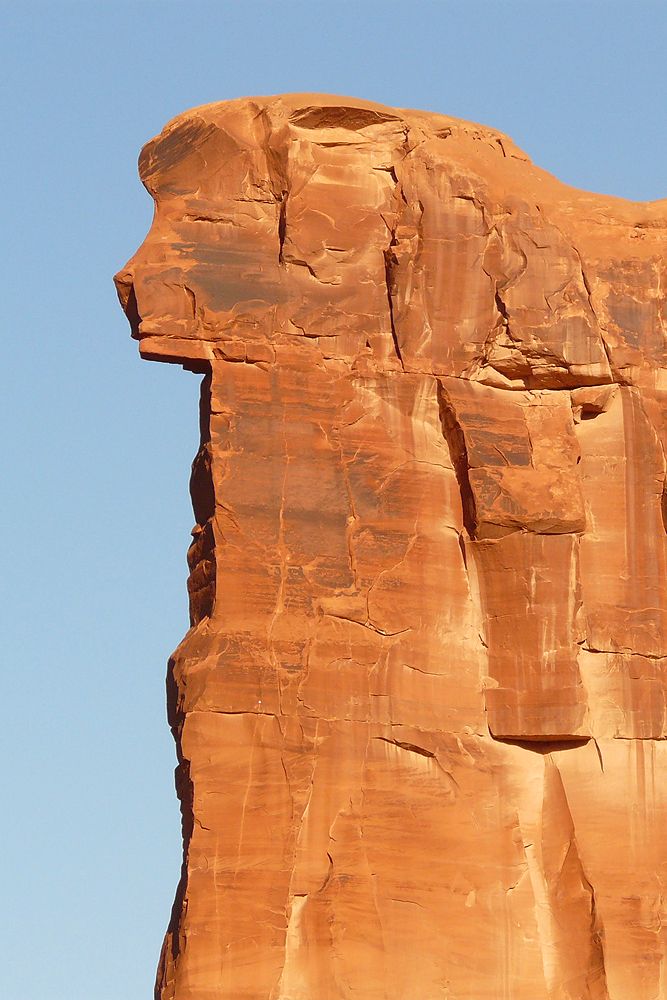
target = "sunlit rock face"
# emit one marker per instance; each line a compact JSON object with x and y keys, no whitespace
{"x":421,"y":710}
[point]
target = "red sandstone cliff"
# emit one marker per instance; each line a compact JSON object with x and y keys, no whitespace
{"x":420,"y":713}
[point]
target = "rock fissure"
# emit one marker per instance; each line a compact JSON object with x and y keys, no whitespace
{"x":455,"y":438}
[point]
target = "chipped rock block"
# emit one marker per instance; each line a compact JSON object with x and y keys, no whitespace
{"x":421,"y":711}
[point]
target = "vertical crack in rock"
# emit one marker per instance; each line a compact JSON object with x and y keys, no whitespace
{"x":282,"y":552}
{"x":276,"y":153}
{"x":587,"y":285}
{"x":192,"y":299}
{"x":282,"y":227}
{"x":455,"y":438}
{"x":502,"y":311}
{"x":392,"y":261}
{"x":390,"y":265}
{"x":295,"y":900}
{"x":464,"y":555}
{"x":568,"y":873}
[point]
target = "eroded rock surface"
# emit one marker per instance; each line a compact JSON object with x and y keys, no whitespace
{"x":421,"y":711}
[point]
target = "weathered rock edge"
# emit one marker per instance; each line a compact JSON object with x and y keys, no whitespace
{"x":420,"y":712}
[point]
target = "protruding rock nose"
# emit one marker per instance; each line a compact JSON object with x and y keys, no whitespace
{"x":124,"y":282}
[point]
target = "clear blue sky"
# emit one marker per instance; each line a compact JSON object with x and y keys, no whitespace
{"x":97,"y":444}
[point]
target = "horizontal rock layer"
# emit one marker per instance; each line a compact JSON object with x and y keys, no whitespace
{"x":421,"y":710}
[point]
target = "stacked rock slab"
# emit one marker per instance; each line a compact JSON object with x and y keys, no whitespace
{"x":421,"y":710}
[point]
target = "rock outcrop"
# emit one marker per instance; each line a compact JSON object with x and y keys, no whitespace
{"x":421,"y":710}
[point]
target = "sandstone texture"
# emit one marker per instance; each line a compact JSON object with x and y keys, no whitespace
{"x":421,"y":712}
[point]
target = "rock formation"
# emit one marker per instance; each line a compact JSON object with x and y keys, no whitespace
{"x":421,"y":710}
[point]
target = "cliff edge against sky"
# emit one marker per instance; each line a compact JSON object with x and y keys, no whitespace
{"x":421,"y":711}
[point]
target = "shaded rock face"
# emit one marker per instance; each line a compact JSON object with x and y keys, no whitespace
{"x":421,"y":710}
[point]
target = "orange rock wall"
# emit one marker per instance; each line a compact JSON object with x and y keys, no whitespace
{"x":420,"y":713}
